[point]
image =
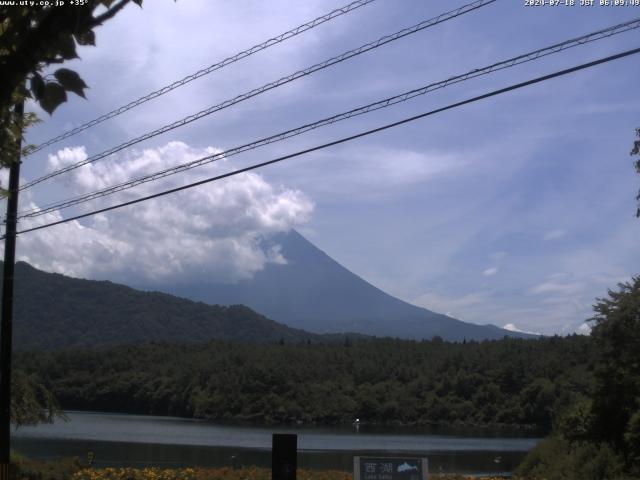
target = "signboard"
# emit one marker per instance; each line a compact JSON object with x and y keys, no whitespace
{"x":390,"y":468}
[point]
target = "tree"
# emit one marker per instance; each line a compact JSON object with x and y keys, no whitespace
{"x":636,"y":151}
{"x":616,"y":399}
{"x":599,"y":437}
{"x":32,"y":38}
{"x":31,"y":401}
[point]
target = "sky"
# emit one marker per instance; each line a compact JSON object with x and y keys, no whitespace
{"x":516,"y":210}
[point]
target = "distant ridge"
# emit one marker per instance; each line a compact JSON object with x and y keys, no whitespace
{"x":54,"y":311}
{"x":317,"y":299}
{"x":314,"y":292}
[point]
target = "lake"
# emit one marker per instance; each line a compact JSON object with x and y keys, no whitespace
{"x":137,"y":440}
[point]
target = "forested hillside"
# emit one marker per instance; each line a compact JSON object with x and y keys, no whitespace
{"x":55,"y":311}
{"x":510,"y":381}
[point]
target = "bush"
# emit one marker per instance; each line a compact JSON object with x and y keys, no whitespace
{"x":23,"y":468}
{"x":632,"y":442}
{"x":557,"y":459}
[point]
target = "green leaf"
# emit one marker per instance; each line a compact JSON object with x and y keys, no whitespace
{"x":37,"y":86}
{"x":22,"y":90}
{"x":67,"y":47}
{"x":86,"y":38}
{"x":28,"y":150}
{"x":53,"y":96}
{"x":70,"y":81}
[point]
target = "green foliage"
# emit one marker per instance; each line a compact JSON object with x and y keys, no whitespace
{"x":616,"y":399}
{"x":52,"y":96}
{"x":71,"y":81}
{"x":632,"y":441}
{"x":576,"y":422}
{"x":32,"y":37}
{"x":23,"y":468}
{"x":598,"y":437}
{"x":31,"y":401}
{"x":377,"y":380}
{"x":558,"y":459}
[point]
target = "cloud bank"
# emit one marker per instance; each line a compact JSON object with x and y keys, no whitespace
{"x":215,"y":229}
{"x":513,"y":328}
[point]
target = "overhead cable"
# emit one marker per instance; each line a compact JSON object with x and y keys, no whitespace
{"x":270,"y":86}
{"x":341,"y":140}
{"x":205,"y":71}
{"x":524,"y":58}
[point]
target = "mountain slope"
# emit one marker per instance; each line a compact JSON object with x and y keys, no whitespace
{"x":314,"y":292}
{"x":54,"y":311}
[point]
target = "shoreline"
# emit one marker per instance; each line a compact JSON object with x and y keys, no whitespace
{"x":498,"y":427}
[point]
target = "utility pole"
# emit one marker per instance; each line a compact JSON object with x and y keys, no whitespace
{"x":6,"y":325}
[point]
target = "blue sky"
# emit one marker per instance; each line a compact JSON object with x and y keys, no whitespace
{"x":517,"y":210}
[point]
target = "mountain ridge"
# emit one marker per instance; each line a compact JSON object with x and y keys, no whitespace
{"x":315,"y":293}
{"x":309,"y":298}
{"x":54,"y":311}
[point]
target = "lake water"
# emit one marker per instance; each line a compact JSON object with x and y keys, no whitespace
{"x":137,"y":440}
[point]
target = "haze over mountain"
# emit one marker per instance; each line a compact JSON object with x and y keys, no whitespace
{"x":310,"y":292}
{"x":313,"y":292}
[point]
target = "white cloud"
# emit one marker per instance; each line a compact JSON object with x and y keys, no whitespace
{"x":556,"y":287}
{"x":214,"y":229}
{"x":373,"y":171}
{"x":554,"y":234}
{"x":498,"y":255}
{"x":584,"y":329}
{"x":512,"y":328}
{"x":457,"y":307}
{"x":490,"y":271}
{"x":557,"y":275}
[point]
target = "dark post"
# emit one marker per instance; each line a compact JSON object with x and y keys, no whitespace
{"x":284,"y":456}
{"x":6,"y":325}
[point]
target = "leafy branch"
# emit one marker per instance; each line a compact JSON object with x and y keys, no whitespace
{"x":32,"y":38}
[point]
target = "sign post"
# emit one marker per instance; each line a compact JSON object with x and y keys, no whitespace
{"x":284,"y":456}
{"x":390,"y":468}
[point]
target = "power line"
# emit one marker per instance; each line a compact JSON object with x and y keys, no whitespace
{"x":211,"y":68}
{"x":443,"y":17}
{"x":528,"y":57}
{"x":344,"y":139}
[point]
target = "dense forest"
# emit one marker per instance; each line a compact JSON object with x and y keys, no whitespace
{"x":598,"y":437}
{"x":53,"y":311}
{"x":509,"y":381}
